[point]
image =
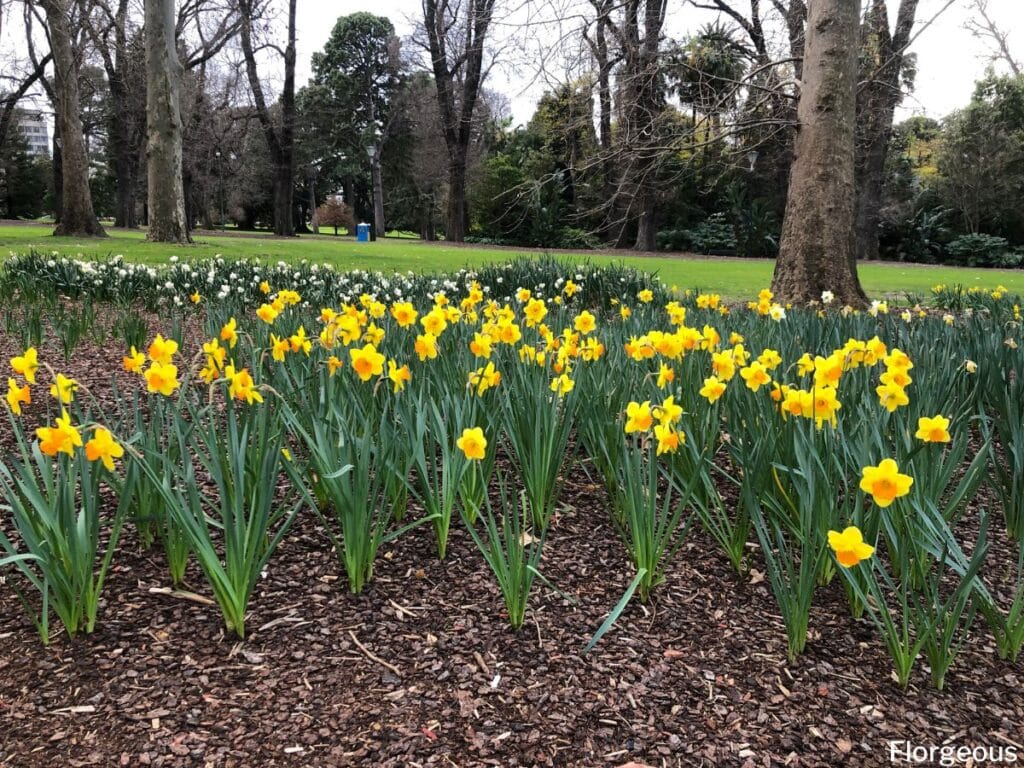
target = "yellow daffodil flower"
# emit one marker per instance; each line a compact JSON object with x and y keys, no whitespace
{"x":17,"y":396}
{"x":162,"y":378}
{"x":399,"y":375}
{"x":473,"y":443}
{"x":134,"y":361}
{"x":60,"y":438}
{"x":639,"y":417}
{"x":849,"y":546}
{"x":162,"y":350}
{"x":103,"y":447}
{"x":934,"y":429}
{"x":26,"y":365}
{"x":367,"y":362}
{"x":884,"y":483}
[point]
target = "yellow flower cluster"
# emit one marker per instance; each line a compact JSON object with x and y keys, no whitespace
{"x":483,"y":379}
{"x":766,"y":307}
{"x":821,"y":401}
{"x":162,"y":374}
{"x":892,"y":390}
{"x":62,"y":436}
{"x":640,"y":417}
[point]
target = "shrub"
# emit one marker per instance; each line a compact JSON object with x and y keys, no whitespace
{"x":674,"y":240}
{"x":977,"y":250}
{"x":713,"y":235}
{"x":918,"y":238}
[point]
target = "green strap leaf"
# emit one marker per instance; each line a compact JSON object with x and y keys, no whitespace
{"x":617,"y":610}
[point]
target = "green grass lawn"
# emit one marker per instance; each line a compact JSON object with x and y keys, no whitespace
{"x":733,"y":278}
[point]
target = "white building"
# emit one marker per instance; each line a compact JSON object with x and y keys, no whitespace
{"x":35,"y":132}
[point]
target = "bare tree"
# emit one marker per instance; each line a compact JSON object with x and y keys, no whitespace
{"x":985,"y":28}
{"x":334,"y":213}
{"x":21,"y":87}
{"x":817,"y":251}
{"x":455,"y":36}
{"x":280,"y":138}
{"x":77,"y":216}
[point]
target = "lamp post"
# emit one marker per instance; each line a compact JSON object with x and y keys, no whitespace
{"x":220,"y":179}
{"x":378,"y":190}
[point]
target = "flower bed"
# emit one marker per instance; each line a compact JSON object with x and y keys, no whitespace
{"x":848,"y":472}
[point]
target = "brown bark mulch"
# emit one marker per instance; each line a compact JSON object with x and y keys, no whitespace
{"x":422,"y":668}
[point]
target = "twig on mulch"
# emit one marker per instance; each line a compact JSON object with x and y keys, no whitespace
{"x":482,"y":664}
{"x":181,"y":594}
{"x":370,"y":656}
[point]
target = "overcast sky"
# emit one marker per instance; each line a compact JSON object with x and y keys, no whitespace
{"x":950,"y":59}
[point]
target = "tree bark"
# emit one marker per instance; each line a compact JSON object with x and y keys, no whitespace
{"x":795,"y":15}
{"x":284,"y":224}
{"x":126,"y":175}
{"x":57,"y":176}
{"x":817,"y":251}
{"x":456,"y":225}
{"x":876,"y":104}
{"x":314,"y":215}
{"x":166,"y":191}
{"x":647,"y":226}
{"x":77,"y":216}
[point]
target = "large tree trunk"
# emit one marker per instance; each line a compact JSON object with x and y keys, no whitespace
{"x":647,"y":226}
{"x":817,"y":252}
{"x":647,"y":157}
{"x":125,"y":172}
{"x":795,"y":15}
{"x":877,"y":101}
{"x":379,"y":225}
{"x":870,"y":180}
{"x":314,"y":215}
{"x":167,"y":222}
{"x":57,"y":175}
{"x":455,"y":230}
{"x":284,"y":224}
{"x":77,"y":217}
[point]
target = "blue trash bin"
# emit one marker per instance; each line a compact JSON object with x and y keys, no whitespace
{"x":362,"y":233}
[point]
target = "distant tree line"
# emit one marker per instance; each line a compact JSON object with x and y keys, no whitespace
{"x":185,"y":114}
